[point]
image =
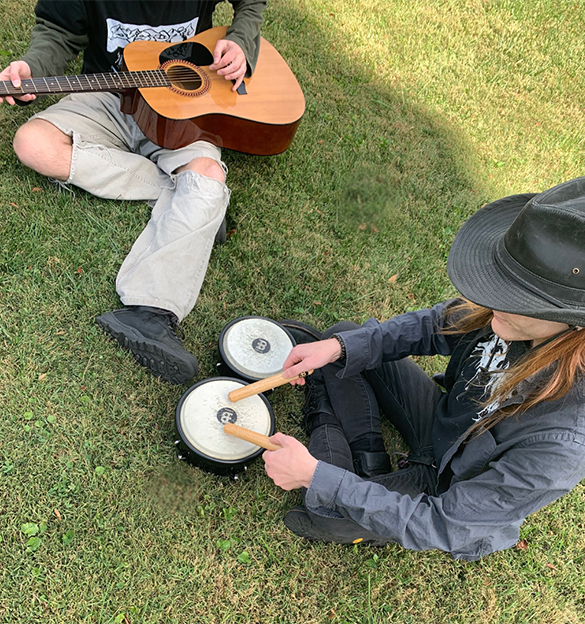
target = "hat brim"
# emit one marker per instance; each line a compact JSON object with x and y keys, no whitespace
{"x":473,"y":270}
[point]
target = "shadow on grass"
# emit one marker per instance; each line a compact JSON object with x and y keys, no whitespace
{"x":374,"y":185}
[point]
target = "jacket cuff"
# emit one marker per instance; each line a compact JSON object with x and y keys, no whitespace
{"x":322,"y":493}
{"x":357,"y":349}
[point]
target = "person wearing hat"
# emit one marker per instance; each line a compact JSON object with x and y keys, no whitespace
{"x":498,"y":436}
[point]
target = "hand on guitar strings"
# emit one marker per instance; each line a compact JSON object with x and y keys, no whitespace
{"x":230,"y":61}
{"x":15,"y":72}
{"x":291,"y":466}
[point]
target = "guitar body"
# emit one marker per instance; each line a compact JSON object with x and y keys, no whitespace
{"x":200,"y":105}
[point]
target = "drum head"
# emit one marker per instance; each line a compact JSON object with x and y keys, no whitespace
{"x":255,"y":347}
{"x":203,"y":411}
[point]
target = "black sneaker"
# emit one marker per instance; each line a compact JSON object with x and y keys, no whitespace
{"x":149,"y":334}
{"x":327,"y":529}
{"x":298,"y":521}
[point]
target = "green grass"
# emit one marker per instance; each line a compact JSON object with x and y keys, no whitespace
{"x":418,"y":113}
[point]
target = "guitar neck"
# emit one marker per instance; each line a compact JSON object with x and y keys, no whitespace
{"x":88,"y":82}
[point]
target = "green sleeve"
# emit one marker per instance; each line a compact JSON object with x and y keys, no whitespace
{"x":245,"y":29}
{"x":52,"y":48}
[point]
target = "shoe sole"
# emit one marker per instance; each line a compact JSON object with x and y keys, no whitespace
{"x":161,"y":362}
{"x":298,"y":521}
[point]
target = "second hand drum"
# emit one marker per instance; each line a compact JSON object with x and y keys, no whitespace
{"x":254,"y":347}
{"x":223,"y":424}
{"x":201,"y":415}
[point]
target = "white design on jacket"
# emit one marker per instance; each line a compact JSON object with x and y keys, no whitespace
{"x":492,"y":356}
{"x":120,"y":34}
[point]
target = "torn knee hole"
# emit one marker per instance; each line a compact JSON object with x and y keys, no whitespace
{"x":206,"y":167}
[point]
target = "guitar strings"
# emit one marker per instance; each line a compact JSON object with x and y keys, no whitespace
{"x":179,"y":72}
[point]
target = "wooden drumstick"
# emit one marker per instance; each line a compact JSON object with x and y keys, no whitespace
{"x":261,"y":386}
{"x":250,"y":436}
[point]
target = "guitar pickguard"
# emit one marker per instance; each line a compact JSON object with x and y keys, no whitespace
{"x":191,"y":51}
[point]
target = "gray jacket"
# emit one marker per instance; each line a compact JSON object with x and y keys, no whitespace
{"x":489,"y":484}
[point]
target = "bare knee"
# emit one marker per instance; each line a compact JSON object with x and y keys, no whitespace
{"x":43,"y":147}
{"x":206,"y":167}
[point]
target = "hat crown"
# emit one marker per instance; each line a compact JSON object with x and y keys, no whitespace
{"x":548,"y":236}
{"x":525,"y":254}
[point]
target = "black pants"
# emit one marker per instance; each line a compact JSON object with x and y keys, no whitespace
{"x":407,"y":397}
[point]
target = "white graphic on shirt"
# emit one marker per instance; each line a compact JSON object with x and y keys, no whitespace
{"x":492,"y":357}
{"x":120,"y":34}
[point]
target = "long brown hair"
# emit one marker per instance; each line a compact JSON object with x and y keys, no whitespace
{"x":561,"y":360}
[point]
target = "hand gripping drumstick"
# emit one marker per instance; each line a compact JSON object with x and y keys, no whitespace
{"x":250,"y":436}
{"x":261,"y":386}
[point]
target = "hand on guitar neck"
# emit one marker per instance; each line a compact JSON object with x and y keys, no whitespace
{"x":229,"y":61}
{"x":15,"y":72}
{"x":176,"y":101}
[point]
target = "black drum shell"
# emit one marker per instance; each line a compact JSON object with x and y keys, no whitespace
{"x":225,"y":366}
{"x":188,"y":453}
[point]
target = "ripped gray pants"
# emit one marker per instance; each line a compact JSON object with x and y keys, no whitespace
{"x":113,"y":159}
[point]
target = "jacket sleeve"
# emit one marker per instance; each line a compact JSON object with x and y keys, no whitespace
{"x":52,"y":48}
{"x":413,"y":333}
{"x":57,"y":38}
{"x":245,"y":29}
{"x":480,"y":510}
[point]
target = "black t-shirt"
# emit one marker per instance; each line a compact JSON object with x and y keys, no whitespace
{"x":479,"y":376}
{"x":111,"y":24}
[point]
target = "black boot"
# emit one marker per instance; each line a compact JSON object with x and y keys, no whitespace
{"x":317,"y":409}
{"x":370,"y":464}
{"x":149,"y":334}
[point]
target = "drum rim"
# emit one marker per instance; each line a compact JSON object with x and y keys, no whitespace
{"x":209,"y":458}
{"x":223,"y":355}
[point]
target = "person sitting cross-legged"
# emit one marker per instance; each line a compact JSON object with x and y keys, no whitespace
{"x":85,"y":140}
{"x":501,"y":434}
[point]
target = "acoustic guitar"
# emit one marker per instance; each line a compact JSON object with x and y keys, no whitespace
{"x":176,"y":100}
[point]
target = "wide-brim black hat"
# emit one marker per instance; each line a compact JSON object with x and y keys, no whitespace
{"x":525,"y":254}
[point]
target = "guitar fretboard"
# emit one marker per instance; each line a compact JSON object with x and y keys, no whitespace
{"x":88,"y":82}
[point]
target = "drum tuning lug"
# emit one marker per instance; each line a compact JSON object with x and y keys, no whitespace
{"x":177,"y":441}
{"x":179,"y":457}
{"x":235,"y":477}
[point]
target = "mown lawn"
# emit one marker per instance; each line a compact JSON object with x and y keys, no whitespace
{"x":418,"y":113}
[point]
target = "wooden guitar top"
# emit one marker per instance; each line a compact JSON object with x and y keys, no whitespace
{"x":273,"y":93}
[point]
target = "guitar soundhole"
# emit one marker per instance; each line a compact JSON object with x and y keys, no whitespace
{"x":186,"y":78}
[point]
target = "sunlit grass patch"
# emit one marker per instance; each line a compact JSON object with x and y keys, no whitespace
{"x":418,"y":112}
